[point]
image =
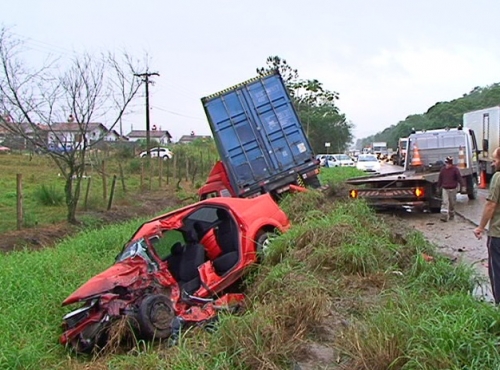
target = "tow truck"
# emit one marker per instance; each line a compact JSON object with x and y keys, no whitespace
{"x":416,"y":186}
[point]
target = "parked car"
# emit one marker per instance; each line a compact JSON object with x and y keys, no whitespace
{"x":327,"y":160}
{"x":344,"y":160}
{"x":156,"y":152}
{"x":175,"y":270}
{"x":368,"y":163}
{"x":4,"y":149}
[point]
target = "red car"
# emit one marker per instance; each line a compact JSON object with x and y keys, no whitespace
{"x":175,"y":270}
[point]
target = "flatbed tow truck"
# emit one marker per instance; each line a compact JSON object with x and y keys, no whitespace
{"x":416,"y":186}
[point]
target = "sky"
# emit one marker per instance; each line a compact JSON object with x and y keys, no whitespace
{"x":387,"y":59}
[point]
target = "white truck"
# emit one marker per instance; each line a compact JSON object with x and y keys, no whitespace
{"x":486,"y":124}
{"x":379,"y":148}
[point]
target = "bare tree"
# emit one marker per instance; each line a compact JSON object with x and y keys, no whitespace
{"x":57,"y":108}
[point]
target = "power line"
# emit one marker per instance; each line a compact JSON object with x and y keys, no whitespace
{"x":177,"y":114}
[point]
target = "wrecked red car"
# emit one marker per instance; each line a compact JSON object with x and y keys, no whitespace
{"x":177,"y":269}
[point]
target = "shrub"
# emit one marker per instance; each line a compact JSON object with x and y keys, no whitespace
{"x":49,"y":195}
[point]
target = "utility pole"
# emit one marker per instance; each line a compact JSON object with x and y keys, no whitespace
{"x":145,"y":78}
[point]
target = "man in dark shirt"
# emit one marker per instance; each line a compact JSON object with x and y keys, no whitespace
{"x":448,"y":181}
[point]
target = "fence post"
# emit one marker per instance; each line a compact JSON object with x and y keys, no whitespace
{"x":87,"y":193}
{"x":104,"y":187}
{"x":142,"y":174}
{"x":19,"y":180}
{"x":122,"y":177}
{"x":112,"y":192}
{"x":160,"y":170}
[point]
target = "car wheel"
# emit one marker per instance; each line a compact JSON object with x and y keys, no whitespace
{"x":262,"y":244}
{"x":155,"y":317}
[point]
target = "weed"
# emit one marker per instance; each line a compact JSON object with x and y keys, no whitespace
{"x":49,"y":195}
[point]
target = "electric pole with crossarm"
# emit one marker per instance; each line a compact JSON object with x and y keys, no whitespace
{"x":145,"y":78}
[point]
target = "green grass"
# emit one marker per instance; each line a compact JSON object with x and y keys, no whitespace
{"x":337,"y":262}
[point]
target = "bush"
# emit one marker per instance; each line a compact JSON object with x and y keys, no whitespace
{"x":49,"y":196}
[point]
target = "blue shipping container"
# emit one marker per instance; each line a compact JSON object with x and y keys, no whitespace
{"x":257,"y":131}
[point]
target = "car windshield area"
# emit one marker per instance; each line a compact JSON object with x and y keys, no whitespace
{"x":136,"y":248}
{"x":367,"y":158}
{"x":343,"y":157}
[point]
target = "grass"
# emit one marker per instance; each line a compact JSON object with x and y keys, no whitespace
{"x":43,"y":187}
{"x":338,"y":267}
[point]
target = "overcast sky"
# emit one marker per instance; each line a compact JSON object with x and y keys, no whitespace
{"x":387,"y":58}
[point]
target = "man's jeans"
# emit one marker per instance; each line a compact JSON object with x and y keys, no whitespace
{"x":449,"y":197}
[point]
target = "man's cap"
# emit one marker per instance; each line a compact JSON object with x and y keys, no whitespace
{"x":449,"y":160}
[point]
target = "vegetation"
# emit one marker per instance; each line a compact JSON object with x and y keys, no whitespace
{"x":37,"y":100}
{"x":440,"y":115}
{"x":339,"y":279}
{"x":43,"y":185}
{"x":316,"y":107}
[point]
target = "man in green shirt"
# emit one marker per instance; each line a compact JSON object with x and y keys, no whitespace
{"x":491,"y":215}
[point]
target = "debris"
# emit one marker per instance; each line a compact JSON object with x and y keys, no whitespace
{"x":427,"y":258}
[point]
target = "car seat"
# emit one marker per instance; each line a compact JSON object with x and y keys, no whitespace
{"x":192,"y":257}
{"x":227,"y":238}
{"x":174,"y":259}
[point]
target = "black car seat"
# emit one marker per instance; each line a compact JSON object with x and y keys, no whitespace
{"x":174,"y":259}
{"x":227,"y":238}
{"x":192,"y":257}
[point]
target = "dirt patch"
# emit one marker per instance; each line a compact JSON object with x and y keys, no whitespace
{"x":145,"y":204}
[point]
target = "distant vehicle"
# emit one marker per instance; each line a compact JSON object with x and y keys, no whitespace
{"x":327,"y":160}
{"x":368,"y":163}
{"x":156,"y":152}
{"x":486,"y":125}
{"x":416,"y":186}
{"x":4,"y":149}
{"x":344,"y":160}
{"x":379,"y":148}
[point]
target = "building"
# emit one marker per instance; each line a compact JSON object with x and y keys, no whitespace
{"x":186,"y":139}
{"x":163,"y":137}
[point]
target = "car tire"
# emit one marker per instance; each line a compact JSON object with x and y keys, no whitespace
{"x":155,"y":317}
{"x":262,"y":244}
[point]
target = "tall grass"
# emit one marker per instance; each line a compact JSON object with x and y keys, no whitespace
{"x":339,"y":266}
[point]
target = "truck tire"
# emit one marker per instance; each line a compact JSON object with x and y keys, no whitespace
{"x":472,"y":187}
{"x":435,"y":209}
{"x":312,"y":182}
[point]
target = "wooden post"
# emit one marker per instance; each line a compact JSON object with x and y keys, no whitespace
{"x":112,"y":192}
{"x":142,"y":174}
{"x":20,"y":216}
{"x":87,"y":191}
{"x":187,"y":168}
{"x":160,"y":170}
{"x":150,"y":164}
{"x":122,"y":177}
{"x":104,"y":187}
{"x":168,"y":169}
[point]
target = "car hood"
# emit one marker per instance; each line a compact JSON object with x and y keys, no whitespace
{"x":123,"y":274}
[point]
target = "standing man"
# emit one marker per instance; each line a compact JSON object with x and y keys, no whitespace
{"x":448,"y":181}
{"x":491,"y":215}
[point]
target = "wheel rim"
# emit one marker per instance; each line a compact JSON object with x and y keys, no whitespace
{"x":161,"y":316}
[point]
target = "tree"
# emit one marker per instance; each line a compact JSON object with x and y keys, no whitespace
{"x":315,"y":105}
{"x":36,"y":102}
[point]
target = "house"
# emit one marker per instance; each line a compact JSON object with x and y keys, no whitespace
{"x":186,"y":139}
{"x":71,"y":134}
{"x":163,"y":137}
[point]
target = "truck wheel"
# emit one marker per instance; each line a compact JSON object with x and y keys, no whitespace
{"x":435,"y":209}
{"x":472,"y":186}
{"x":313,"y":182}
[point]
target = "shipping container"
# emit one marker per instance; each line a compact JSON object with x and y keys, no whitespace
{"x":259,"y":137}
